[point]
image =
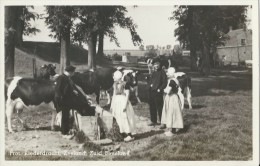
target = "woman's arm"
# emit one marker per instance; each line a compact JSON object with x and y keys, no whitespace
{"x":127,"y":92}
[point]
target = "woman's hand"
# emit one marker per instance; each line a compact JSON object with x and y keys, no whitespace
{"x":124,"y":110}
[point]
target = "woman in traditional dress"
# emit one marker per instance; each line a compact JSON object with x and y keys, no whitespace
{"x":121,"y":107}
{"x":172,"y":107}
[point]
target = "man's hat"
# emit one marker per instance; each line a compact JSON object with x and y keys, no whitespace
{"x":70,"y":68}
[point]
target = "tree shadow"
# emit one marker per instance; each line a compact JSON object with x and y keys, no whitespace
{"x":44,"y":128}
{"x":197,"y":106}
{"x":140,"y":136}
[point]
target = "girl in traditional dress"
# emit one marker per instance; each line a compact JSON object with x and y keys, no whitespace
{"x":172,"y":107}
{"x":121,"y":107}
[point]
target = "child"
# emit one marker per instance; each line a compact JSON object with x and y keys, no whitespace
{"x":171,"y":114}
{"x":121,"y":107}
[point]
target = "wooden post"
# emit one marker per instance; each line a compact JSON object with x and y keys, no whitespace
{"x":34,"y":63}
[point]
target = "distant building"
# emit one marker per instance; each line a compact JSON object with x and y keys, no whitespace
{"x":237,"y":49}
{"x":125,"y":52}
{"x":186,"y":53}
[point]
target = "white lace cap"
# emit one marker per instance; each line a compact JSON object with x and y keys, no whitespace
{"x":117,"y":75}
{"x":171,"y":71}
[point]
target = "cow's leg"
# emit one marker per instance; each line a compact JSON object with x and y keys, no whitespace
{"x":9,"y":113}
{"x":136,"y":94}
{"x":53,"y":117}
{"x":19,"y":112}
{"x":54,"y":114}
{"x":188,"y":96}
{"x":97,"y":96}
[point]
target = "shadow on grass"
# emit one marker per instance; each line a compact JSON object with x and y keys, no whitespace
{"x":45,"y":128}
{"x":197,"y":106}
{"x":147,"y":134}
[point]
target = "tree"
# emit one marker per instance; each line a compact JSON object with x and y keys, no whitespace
{"x":23,"y":25}
{"x":95,"y":22}
{"x":12,"y":15}
{"x":204,"y":28}
{"x":141,"y":48}
{"x":111,"y":16}
{"x":60,"y":21}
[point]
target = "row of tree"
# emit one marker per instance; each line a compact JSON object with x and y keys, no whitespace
{"x":200,"y":28}
{"x":203,"y":28}
{"x":77,"y":24}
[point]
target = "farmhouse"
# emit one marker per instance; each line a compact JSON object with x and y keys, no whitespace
{"x":237,"y":49}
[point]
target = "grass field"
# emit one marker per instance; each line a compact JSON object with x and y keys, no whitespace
{"x":219,"y":127}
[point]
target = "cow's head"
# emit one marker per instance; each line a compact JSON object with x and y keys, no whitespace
{"x":48,"y":69}
{"x":130,"y":77}
{"x":51,"y":69}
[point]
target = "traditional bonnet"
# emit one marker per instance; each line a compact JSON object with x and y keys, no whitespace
{"x":171,"y":71}
{"x":117,"y":75}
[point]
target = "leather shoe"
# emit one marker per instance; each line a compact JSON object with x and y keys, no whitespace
{"x":151,"y":124}
{"x":163,"y":126}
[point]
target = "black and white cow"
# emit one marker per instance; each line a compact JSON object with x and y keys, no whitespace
{"x":46,"y":71}
{"x":130,"y":76}
{"x":185,"y":84}
{"x":149,"y":63}
{"x":165,"y":62}
{"x":95,"y":81}
{"x":24,"y":92}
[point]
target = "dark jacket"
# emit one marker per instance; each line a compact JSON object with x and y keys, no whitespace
{"x":158,"y":80}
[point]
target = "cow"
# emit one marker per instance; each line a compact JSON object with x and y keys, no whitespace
{"x":46,"y":71}
{"x":149,"y":63}
{"x":185,"y":84}
{"x":130,"y":77}
{"x":24,"y":92}
{"x":95,"y":81}
{"x":165,"y":62}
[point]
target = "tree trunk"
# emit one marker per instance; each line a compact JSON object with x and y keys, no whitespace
{"x":64,"y":51}
{"x":19,"y":28}
{"x":92,"y":41}
{"x":206,"y":58}
{"x":100,"y":44}
{"x":11,"y":17}
{"x":193,"y":59}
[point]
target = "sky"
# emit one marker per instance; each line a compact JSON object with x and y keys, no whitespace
{"x":154,"y":27}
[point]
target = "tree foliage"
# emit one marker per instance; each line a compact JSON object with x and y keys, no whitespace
{"x":99,"y":21}
{"x":59,"y":19}
{"x":104,"y":19}
{"x":203,"y":28}
{"x":26,"y":17}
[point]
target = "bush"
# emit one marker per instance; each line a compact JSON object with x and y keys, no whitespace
{"x":150,"y":54}
{"x":141,"y":59}
{"x":116,"y":57}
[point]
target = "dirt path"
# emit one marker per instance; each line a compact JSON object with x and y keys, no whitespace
{"x":39,"y":138}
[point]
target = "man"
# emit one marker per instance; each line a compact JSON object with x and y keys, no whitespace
{"x":67,"y":97}
{"x":157,"y":84}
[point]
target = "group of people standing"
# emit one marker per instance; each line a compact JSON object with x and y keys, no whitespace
{"x":165,"y":101}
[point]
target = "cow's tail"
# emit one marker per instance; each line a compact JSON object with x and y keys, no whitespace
{"x":188,"y":91}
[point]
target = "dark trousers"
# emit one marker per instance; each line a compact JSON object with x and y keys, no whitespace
{"x":156,"y":105}
{"x":65,"y":121}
